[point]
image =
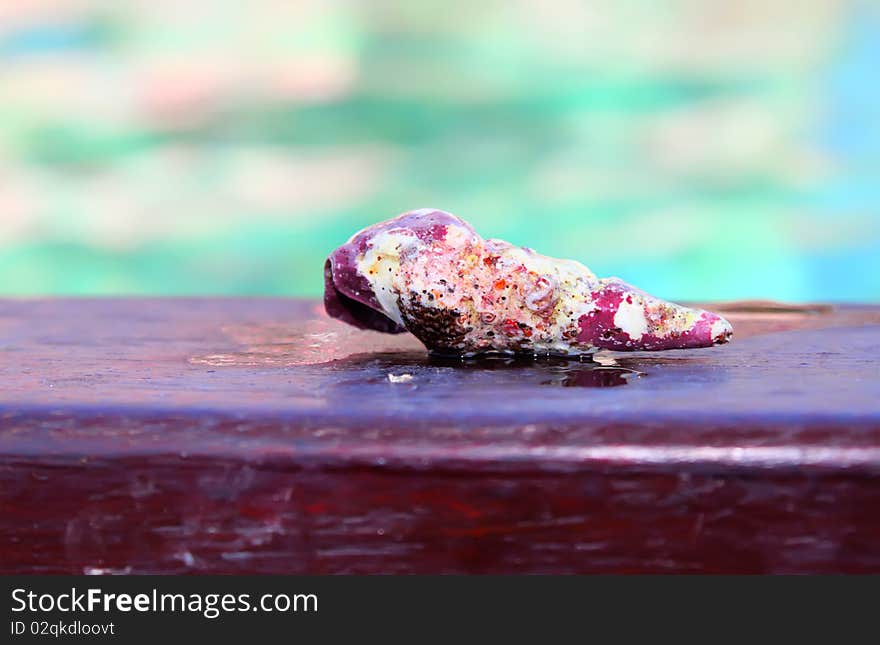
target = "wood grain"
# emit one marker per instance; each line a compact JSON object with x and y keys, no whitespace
{"x":238,"y":436}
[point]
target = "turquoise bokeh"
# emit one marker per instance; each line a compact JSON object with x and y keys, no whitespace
{"x":701,"y":150}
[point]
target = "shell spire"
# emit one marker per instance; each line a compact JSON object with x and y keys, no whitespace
{"x":428,"y":272}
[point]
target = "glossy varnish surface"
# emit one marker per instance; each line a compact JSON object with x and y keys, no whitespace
{"x":215,"y":435}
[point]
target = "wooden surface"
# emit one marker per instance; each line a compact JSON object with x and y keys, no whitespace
{"x":225,"y":436}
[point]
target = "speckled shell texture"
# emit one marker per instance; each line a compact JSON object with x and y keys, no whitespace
{"x":429,"y":273}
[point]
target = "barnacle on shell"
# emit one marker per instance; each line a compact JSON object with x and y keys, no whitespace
{"x":428,"y":272}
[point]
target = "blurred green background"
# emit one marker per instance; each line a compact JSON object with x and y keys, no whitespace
{"x":700,"y":149}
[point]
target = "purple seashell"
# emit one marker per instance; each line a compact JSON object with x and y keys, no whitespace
{"x":428,"y":272}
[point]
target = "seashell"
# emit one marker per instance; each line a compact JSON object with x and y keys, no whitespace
{"x":428,"y":272}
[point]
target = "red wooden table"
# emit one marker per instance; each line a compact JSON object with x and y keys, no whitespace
{"x":257,"y":436}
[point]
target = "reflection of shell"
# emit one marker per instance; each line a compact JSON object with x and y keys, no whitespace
{"x":428,"y":272}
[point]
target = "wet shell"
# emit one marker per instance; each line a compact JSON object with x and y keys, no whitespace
{"x":428,"y":272}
